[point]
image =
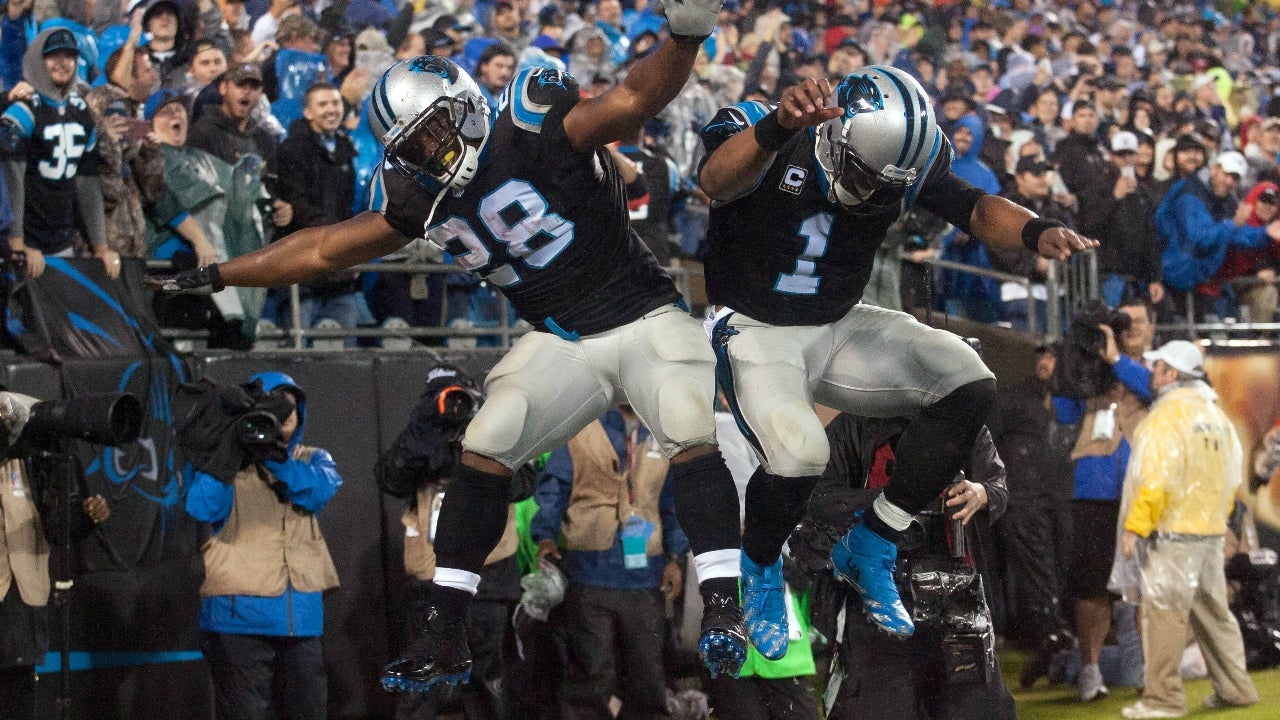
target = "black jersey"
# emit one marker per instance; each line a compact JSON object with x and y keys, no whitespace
{"x":787,"y":255}
{"x":543,"y":222}
{"x":58,"y":142}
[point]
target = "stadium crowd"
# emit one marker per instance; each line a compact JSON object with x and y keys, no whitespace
{"x":195,"y":131}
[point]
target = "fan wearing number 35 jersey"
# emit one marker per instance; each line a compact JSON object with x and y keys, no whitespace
{"x":803,"y":196}
{"x":529,"y":199}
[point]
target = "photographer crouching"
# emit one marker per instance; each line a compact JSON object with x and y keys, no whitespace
{"x":43,"y":503}
{"x":267,"y":564}
{"x":418,"y":468}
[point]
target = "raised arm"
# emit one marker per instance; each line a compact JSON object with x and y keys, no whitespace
{"x":300,"y":256}
{"x":735,"y":167}
{"x":651,"y":83}
{"x":1006,"y":225}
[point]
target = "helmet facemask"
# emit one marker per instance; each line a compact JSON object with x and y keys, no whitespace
{"x":441,"y":146}
{"x":855,"y":186}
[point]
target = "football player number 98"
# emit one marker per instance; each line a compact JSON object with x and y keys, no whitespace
{"x":515,"y":215}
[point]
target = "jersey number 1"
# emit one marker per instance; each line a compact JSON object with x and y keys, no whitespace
{"x":517,"y":216}
{"x":804,"y":281}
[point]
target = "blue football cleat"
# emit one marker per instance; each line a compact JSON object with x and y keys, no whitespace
{"x":866,"y":561}
{"x":723,"y":644}
{"x":438,"y":655}
{"x":764,"y":607}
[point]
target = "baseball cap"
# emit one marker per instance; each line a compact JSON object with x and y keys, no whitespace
{"x":1181,"y":355}
{"x":159,"y":99}
{"x":547,"y":43}
{"x":1187,"y":141}
{"x":60,"y":39}
{"x":243,"y":71}
{"x":1032,"y":164}
{"x":1124,"y":141}
{"x":1232,"y":162}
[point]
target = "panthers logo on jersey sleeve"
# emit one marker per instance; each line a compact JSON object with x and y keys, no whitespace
{"x":533,"y":93}
{"x":731,"y":120}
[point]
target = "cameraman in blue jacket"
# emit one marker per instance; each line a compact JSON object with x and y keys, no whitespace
{"x":266,"y":567}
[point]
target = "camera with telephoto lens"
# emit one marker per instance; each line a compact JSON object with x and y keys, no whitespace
{"x":457,"y":404}
{"x":103,"y":419}
{"x":1081,"y":372}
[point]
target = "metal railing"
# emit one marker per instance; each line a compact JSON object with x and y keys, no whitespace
{"x":509,"y":326}
{"x":1067,"y":286}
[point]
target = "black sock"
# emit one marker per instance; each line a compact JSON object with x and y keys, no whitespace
{"x":775,"y":505}
{"x":880,"y":527}
{"x":450,"y":602}
{"x":706,"y":503}
{"x":936,"y":445}
{"x":724,"y":586}
{"x":472,"y":518}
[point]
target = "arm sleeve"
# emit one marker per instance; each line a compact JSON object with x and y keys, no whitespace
{"x":730,"y":121}
{"x":950,"y":197}
{"x":311,"y":483}
{"x":1135,"y":376}
{"x":1207,"y":234}
{"x":989,"y":470}
{"x":208,"y":499}
{"x":552,"y":496}
{"x":92,"y":214}
{"x":13,"y":43}
{"x":674,"y":541}
{"x":1153,"y":446}
{"x":15,"y":177}
{"x":1068,"y":410}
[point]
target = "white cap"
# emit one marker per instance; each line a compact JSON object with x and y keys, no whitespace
{"x":1232,"y":162}
{"x":1124,"y":141}
{"x":1183,"y":356}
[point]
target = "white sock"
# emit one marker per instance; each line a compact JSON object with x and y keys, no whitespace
{"x":457,"y":579}
{"x":892,"y":515}
{"x":718,"y":564}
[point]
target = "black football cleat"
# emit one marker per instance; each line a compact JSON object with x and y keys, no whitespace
{"x":438,"y":655}
{"x":723,"y":644}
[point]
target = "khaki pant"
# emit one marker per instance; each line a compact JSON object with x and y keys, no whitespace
{"x":1183,"y":584}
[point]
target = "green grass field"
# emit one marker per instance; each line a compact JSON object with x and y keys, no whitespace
{"x":1058,"y":702}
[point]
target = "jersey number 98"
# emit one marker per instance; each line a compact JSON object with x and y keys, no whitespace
{"x":515,"y":215}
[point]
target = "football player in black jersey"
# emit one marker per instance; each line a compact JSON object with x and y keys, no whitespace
{"x":804,"y":194}
{"x":530,"y":201}
{"x":48,"y":142}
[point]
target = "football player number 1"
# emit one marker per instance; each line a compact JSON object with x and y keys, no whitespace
{"x":517,"y":216}
{"x":804,"y":281}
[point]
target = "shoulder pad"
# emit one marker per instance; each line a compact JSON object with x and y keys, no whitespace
{"x":532,"y":93}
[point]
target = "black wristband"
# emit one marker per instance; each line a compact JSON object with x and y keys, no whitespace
{"x":215,"y":277}
{"x":1031,"y":232}
{"x":770,"y":135}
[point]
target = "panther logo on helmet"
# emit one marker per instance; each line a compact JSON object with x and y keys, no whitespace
{"x":432,"y":64}
{"x":433,"y":121}
{"x":859,"y":94}
{"x":876,"y":155}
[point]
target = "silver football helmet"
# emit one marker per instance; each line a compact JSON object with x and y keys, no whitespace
{"x":876,"y":155}
{"x":431,"y":118}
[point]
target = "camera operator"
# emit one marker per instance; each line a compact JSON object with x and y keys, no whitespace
{"x":418,"y":468}
{"x":24,"y":561}
{"x":1102,"y":384}
{"x":266,"y":564}
{"x":948,"y":667}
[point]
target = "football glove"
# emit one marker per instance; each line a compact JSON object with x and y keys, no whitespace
{"x":201,"y":281}
{"x":691,"y":20}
